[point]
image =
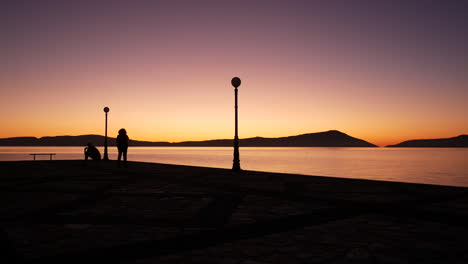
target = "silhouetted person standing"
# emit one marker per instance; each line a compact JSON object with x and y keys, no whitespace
{"x":92,"y":152}
{"x":122,"y":146}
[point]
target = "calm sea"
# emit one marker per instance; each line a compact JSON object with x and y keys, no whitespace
{"x":420,"y":165}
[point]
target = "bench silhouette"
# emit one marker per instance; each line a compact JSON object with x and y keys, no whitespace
{"x":38,"y":154}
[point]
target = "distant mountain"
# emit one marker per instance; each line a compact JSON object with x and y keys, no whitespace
{"x":332,"y":138}
{"x":454,"y":142}
{"x":82,"y":140}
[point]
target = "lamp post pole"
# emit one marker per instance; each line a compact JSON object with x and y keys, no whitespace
{"x":106,"y":157}
{"x":236,"y":82}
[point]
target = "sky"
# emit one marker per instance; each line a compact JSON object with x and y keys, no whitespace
{"x":382,"y":71}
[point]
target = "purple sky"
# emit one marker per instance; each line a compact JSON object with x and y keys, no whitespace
{"x":379,"y":70}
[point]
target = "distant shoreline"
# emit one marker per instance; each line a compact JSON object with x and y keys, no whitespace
{"x":332,"y":138}
{"x":184,"y":146}
{"x":177,"y":145}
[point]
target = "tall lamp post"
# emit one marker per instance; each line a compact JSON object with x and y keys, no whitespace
{"x":106,"y":157}
{"x":236,"y":82}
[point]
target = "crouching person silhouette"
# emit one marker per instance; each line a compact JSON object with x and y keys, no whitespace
{"x":92,"y":152}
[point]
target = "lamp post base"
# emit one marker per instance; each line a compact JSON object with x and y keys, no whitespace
{"x":105,"y":157}
{"x":236,"y":159}
{"x":236,"y":166}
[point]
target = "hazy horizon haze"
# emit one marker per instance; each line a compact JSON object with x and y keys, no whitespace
{"x":382,"y":72}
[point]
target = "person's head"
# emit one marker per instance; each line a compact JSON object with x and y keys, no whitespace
{"x":122,"y":131}
{"x":90,"y":144}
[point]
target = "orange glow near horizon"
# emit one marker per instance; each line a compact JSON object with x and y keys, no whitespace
{"x":199,"y":108}
{"x":165,"y":71}
{"x":202,"y":116}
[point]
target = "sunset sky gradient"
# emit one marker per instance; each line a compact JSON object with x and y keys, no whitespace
{"x":382,"y":72}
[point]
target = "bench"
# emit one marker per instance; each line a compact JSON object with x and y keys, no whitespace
{"x":37,"y":154}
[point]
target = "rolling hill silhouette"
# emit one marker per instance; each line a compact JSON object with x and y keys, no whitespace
{"x":82,"y":140}
{"x":332,"y":138}
{"x":454,"y":142}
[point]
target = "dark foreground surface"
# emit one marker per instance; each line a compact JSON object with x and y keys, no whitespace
{"x":63,"y":212}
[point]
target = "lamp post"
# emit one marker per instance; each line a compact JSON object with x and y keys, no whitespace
{"x":106,"y":157}
{"x":236,"y":82}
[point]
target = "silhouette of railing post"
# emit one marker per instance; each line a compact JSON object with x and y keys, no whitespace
{"x":236,"y":82}
{"x":106,"y":157}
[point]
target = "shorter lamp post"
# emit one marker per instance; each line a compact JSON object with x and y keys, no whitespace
{"x":236,"y":82}
{"x":106,"y":157}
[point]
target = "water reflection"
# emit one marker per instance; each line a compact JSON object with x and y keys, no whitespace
{"x":422,"y":165}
